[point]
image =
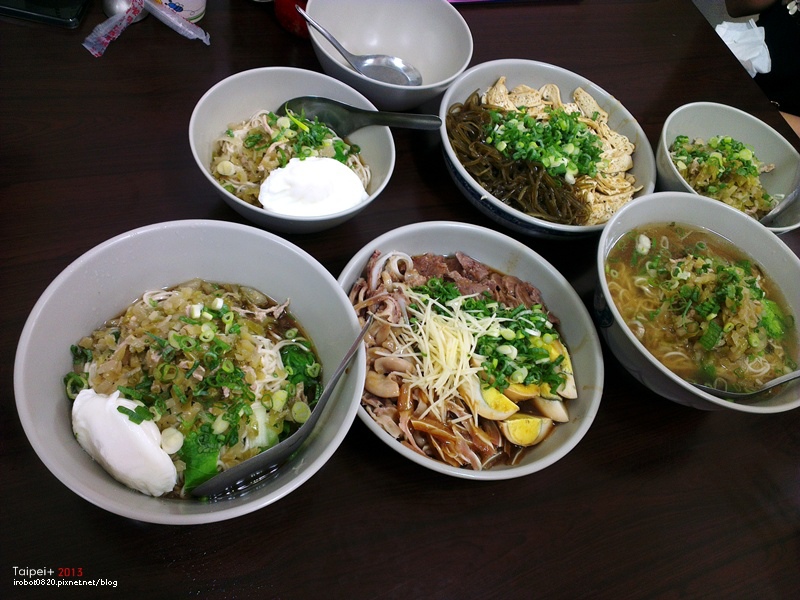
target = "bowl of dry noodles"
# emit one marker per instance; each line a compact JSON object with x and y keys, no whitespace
{"x":721,"y":152}
{"x":483,"y":362}
{"x":166,"y":354}
{"x":692,"y":290}
{"x":542,"y":150}
{"x":287,"y":173}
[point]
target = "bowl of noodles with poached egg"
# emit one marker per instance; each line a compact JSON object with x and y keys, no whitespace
{"x":286,"y":172}
{"x":151,"y":363}
{"x":483,"y":362}
{"x":542,"y":150}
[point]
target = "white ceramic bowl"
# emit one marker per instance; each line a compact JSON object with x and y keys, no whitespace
{"x":105,"y":280}
{"x":514,"y":258}
{"x":429,"y":34}
{"x":537,"y":74}
{"x":240,"y":96}
{"x":707,"y":119}
{"x":752,"y":238}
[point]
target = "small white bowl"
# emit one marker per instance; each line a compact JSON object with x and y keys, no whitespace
{"x":105,"y":280}
{"x":240,"y":96}
{"x":536,"y":74}
{"x":706,"y":119}
{"x":752,"y":238}
{"x":509,"y":256}
{"x":428,"y":34}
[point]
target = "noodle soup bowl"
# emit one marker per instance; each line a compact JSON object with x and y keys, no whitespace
{"x":510,"y":257}
{"x":431,"y":35}
{"x":708,"y":119}
{"x":536,"y":74}
{"x":755,"y":241}
{"x":100,"y":284}
{"x":242,"y":95}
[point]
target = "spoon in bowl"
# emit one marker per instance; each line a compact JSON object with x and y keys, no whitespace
{"x":345,"y":119}
{"x":749,"y":395}
{"x":770,"y":217}
{"x":255,"y":469}
{"x":389,"y":69}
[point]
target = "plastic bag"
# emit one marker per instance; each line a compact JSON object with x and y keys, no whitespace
{"x":110,"y":29}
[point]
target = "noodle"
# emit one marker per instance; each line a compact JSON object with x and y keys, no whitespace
{"x":249,"y":151}
{"x":222,"y":364}
{"x":724,"y":169}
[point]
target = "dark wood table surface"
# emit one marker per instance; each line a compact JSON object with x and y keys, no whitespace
{"x":657,"y":501}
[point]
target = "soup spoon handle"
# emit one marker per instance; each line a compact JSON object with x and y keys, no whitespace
{"x":348,"y":56}
{"x":745,"y":395}
{"x":344,"y":119}
{"x":784,"y":204}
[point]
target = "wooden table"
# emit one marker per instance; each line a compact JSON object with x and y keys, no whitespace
{"x":657,"y":501}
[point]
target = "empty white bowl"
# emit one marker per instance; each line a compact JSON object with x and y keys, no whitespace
{"x":707,"y":119}
{"x":240,"y":96}
{"x":105,"y":280}
{"x":753,"y":239}
{"x":429,"y":34}
{"x":536,"y":74}
{"x":509,"y":256}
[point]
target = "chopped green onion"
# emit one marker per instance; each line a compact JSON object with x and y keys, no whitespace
{"x":166,"y":372}
{"x":207,"y":333}
{"x":80,"y":355}
{"x":313,"y":370}
{"x":138,"y":415}
{"x":130,"y":393}
{"x":75,"y":384}
{"x":279,"y":399}
{"x":300,"y":412}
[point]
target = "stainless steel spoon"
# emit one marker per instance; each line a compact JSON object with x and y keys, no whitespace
{"x":770,"y":217}
{"x":389,"y":69}
{"x":255,"y":469}
{"x":749,"y":395}
{"x":345,"y":119}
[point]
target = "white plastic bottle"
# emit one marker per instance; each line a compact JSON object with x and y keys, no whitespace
{"x":191,"y":10}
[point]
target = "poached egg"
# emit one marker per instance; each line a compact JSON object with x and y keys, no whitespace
{"x":311,"y":187}
{"x":131,"y":452}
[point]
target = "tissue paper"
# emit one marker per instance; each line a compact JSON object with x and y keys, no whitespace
{"x":746,"y":41}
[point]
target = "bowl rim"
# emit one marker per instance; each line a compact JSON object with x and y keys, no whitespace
{"x":500,"y":207}
{"x":606,"y":243}
{"x":300,"y":219}
{"x":216,"y":511}
{"x":317,"y":38}
{"x":594,"y":396}
{"x":663,"y":147}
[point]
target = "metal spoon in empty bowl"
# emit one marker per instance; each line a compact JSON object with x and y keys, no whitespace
{"x":389,"y":69}
{"x":749,"y":395}
{"x":345,"y":119}
{"x":254,"y":469}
